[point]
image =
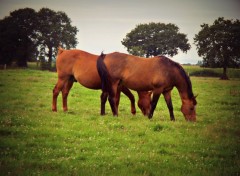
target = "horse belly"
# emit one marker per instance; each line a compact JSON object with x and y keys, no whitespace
{"x":138,"y":85}
{"x":86,"y":74}
{"x":91,"y":82}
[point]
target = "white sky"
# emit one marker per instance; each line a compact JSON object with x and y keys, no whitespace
{"x":103,"y":24}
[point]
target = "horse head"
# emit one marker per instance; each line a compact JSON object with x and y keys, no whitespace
{"x":189,"y":109}
{"x":144,"y":102}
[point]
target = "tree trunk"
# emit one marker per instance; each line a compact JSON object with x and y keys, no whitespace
{"x":22,"y":63}
{"x":22,"y":60}
{"x":50,"y":52}
{"x":224,"y":75}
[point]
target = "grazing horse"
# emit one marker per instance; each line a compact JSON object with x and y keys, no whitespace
{"x":80,"y":66}
{"x":159,"y":74}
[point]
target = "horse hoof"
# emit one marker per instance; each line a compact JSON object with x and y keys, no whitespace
{"x":150,"y":116}
{"x":133,"y":112}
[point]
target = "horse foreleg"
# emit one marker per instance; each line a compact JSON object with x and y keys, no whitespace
{"x":129,"y":94}
{"x":58,"y":87}
{"x":167,"y":97}
{"x":104,"y":96}
{"x":153,"y":104}
{"x":66,"y":88}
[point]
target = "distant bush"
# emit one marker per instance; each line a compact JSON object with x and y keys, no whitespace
{"x":194,"y":70}
{"x":206,"y":73}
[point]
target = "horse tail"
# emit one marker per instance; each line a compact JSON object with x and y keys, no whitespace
{"x":104,"y":74}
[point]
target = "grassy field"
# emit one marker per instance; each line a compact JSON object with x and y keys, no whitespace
{"x":36,"y":141}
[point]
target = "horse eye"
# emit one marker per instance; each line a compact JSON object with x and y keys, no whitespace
{"x":191,"y":109}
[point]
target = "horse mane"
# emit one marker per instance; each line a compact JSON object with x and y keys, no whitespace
{"x":184,"y":75}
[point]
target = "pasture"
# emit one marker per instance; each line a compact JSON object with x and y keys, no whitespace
{"x":36,"y":141}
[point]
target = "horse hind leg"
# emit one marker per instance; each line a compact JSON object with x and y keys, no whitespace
{"x":66,"y":88}
{"x":113,"y":100}
{"x":58,"y":87}
{"x":129,"y":94}
{"x":117,"y":97}
{"x":113,"y":105}
{"x":104,"y":96}
{"x":154,"y":102}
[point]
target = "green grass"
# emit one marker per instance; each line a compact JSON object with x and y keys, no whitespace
{"x":36,"y":141}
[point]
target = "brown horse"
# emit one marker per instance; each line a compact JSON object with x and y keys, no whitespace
{"x":158,"y":74}
{"x":77,"y":65}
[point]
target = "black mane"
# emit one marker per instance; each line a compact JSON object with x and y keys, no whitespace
{"x":184,"y":74}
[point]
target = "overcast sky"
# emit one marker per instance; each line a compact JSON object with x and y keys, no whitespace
{"x":103,"y":24}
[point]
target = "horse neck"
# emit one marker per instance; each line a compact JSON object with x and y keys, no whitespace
{"x":184,"y":87}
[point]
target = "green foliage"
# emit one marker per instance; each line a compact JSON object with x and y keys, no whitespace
{"x":17,"y":33}
{"x":137,"y":51}
{"x":155,"y":39}
{"x":25,"y":34}
{"x":36,"y":141}
{"x":54,"y":30}
{"x":219,"y":44}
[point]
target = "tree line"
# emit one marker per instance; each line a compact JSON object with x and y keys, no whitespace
{"x":218,"y":44}
{"x":26,"y":35}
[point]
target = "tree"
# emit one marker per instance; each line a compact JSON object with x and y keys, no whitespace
{"x":219,"y":44}
{"x":17,"y":33}
{"x":7,"y":43}
{"x":26,"y":33}
{"x":156,"y":39}
{"x":54,"y":29}
{"x":200,"y":63}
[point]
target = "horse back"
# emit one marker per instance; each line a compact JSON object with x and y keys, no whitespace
{"x":141,"y":73}
{"x":67,"y":60}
